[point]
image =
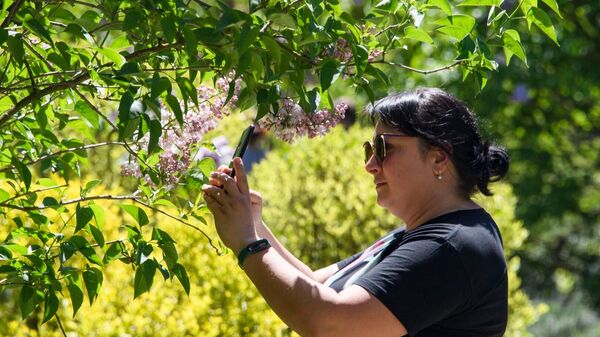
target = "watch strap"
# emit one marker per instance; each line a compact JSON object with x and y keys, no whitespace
{"x":252,"y":248}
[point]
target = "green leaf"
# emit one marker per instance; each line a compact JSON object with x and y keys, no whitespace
{"x":133,"y":19}
{"x":125,"y":107}
{"x":5,"y":253}
{"x":144,"y":276}
{"x":98,"y":215}
{"x":85,"y":249}
{"x":159,"y":85}
{"x":83,"y":216}
{"x":23,"y":172}
{"x":50,"y":306}
{"x":76,"y":291}
{"x":15,"y":46}
{"x":50,"y":202}
{"x":553,"y":5}
{"x":136,"y":213}
{"x":169,"y":252}
{"x":206,"y":166}
{"x":155,"y":132}
{"x":112,"y":55}
{"x":329,"y":73}
{"x":441,"y":4}
{"x":67,"y":249}
{"x":480,"y":3}
{"x":34,"y":25}
{"x":283,"y":20}
{"x":456,"y":26}
{"x":273,"y":48}
{"x":4,"y":195}
{"x":173,"y":103}
{"x":191,"y":43}
{"x":161,"y":236}
{"x":543,"y":22}
{"x":114,"y":252}
{"x":26,"y":300}
{"x":168,"y":26}
{"x":418,"y":34}
{"x":88,"y":113}
{"x":97,"y":235}
{"x":512,"y":46}
{"x":90,"y":185}
{"x":181,"y":274}
{"x":93,"y":281}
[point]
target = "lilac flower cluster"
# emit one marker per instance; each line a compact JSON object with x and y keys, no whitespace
{"x":291,"y":121}
{"x":179,"y":143}
{"x":342,"y":50}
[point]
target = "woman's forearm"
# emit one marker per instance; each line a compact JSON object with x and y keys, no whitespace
{"x":264,"y":231}
{"x":301,"y":302}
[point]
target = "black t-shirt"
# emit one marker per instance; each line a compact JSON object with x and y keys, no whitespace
{"x":447,"y":277}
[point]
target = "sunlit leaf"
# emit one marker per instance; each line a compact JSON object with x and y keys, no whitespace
{"x":136,"y":213}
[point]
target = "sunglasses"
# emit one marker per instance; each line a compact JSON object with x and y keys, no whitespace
{"x":377,"y":148}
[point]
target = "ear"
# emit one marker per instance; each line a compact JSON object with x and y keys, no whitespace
{"x":439,"y":160}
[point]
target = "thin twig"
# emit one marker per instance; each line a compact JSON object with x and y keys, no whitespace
{"x":421,"y":71}
{"x":13,"y":11}
{"x":35,"y":191}
{"x":76,"y":81}
{"x":108,"y":197}
{"x":60,"y":325}
{"x":58,"y":153}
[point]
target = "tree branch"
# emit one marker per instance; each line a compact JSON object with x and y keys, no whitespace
{"x":110,"y":197}
{"x":76,"y":81}
{"x":12,"y":12}
{"x":421,"y":71}
{"x":58,"y":153}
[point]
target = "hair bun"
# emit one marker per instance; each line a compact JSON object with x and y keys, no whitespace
{"x":498,"y":162}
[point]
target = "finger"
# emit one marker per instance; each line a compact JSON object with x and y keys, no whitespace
{"x":214,"y":193}
{"x":213,"y":205}
{"x":228,"y":183}
{"x":240,"y":175}
{"x":225,"y":169}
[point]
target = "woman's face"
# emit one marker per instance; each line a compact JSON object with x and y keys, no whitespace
{"x":404,"y":180}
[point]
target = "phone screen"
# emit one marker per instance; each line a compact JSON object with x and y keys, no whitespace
{"x":241,"y":147}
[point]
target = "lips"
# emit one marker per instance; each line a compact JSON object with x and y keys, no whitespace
{"x":380,"y":183}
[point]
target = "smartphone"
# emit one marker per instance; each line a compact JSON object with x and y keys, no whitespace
{"x":242,"y":146}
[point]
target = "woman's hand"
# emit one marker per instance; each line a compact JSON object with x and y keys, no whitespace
{"x":255,"y":197}
{"x":229,"y":200}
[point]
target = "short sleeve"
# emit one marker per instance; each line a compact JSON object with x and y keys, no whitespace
{"x":422,"y":282}
{"x":347,"y":261}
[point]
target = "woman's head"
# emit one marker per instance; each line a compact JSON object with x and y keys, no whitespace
{"x":439,"y":120}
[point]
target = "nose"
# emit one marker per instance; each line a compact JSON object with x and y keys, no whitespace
{"x":372,"y":166}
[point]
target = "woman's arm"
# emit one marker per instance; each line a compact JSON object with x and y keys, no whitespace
{"x":307,"y":306}
{"x":314,"y":310}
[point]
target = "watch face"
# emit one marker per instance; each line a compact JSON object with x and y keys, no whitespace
{"x":258,"y":246}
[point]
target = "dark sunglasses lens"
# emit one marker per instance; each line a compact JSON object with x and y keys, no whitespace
{"x":380,"y":149}
{"x":368,"y":151}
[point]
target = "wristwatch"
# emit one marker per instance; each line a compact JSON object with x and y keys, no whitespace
{"x":253,"y":248}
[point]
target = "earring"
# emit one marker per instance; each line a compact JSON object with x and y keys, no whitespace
{"x":439,"y":176}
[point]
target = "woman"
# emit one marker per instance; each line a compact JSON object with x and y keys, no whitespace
{"x":444,"y":274}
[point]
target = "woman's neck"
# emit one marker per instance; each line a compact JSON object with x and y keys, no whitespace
{"x":436,"y":207}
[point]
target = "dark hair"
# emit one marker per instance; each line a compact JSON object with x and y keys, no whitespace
{"x":442,"y":120}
